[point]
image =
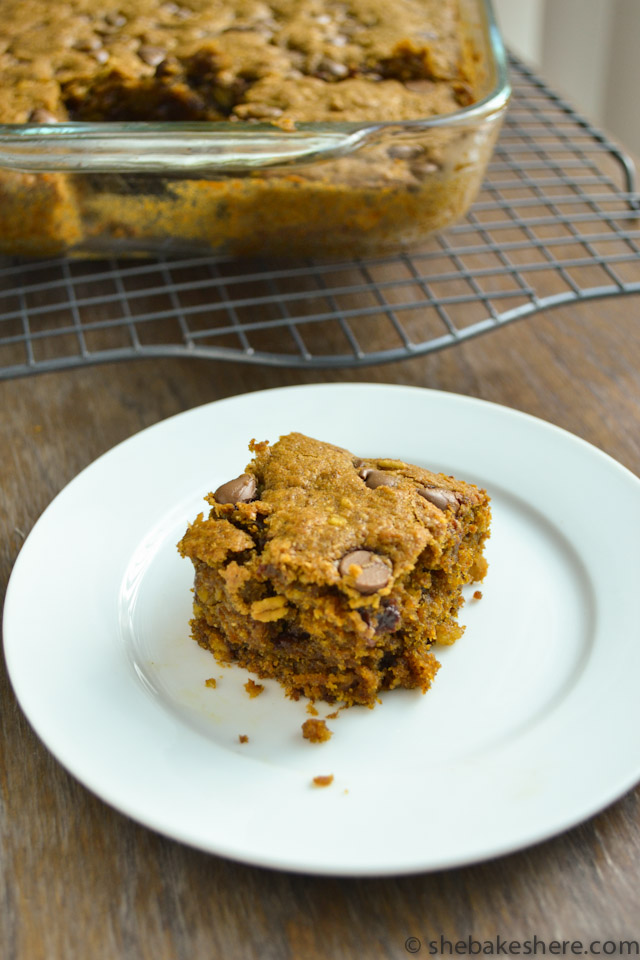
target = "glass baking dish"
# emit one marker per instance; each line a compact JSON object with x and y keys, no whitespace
{"x":321,"y":189}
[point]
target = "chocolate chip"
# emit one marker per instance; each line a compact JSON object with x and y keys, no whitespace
{"x":388,"y":619}
{"x":332,"y":68}
{"x":385,"y":620}
{"x":115,"y":19}
{"x":241,"y":490}
{"x":151,"y":55}
{"x":405,"y":151}
{"x":440,"y":497}
{"x":292,"y":640}
{"x":88,"y":44}
{"x":40,"y":115}
{"x":375,"y":571}
{"x":378,"y":478}
{"x":425,"y":168}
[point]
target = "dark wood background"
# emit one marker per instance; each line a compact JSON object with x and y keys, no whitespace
{"x":81,"y":882}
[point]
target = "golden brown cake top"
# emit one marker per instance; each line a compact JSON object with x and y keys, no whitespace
{"x":325,"y":516}
{"x":292,"y":60}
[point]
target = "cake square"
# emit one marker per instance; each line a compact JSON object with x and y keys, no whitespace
{"x":334,"y":574}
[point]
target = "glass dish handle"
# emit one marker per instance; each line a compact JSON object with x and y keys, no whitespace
{"x":178,"y":149}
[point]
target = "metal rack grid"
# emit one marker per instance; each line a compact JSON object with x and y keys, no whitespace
{"x":557,"y":212}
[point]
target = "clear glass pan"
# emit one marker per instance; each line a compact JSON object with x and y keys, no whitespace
{"x":321,"y":189}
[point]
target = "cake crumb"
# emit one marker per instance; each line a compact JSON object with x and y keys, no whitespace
{"x":477,"y":595}
{"x":288,"y":124}
{"x":253,"y":689}
{"x":316,"y":731}
{"x":312,"y":710}
{"x":333,"y":716}
{"x":323,"y":781}
{"x":243,"y":738}
{"x":211,"y":682}
{"x":258,"y":446}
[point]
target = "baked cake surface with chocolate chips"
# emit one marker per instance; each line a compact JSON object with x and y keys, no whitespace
{"x":232,"y":59}
{"x":333,"y":574}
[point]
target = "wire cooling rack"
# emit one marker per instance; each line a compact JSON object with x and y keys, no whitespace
{"x":556,"y":222}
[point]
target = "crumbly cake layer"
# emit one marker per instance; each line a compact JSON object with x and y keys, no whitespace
{"x":282,"y":60}
{"x":333,"y":574}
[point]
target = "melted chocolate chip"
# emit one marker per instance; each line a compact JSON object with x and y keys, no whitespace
{"x":378,"y":478}
{"x":151,"y":55}
{"x":405,"y":151}
{"x":440,"y":497}
{"x":388,"y":619}
{"x":290,"y":639}
{"x":385,"y":620}
{"x":375,"y":572}
{"x":241,"y":490}
{"x":88,"y":44}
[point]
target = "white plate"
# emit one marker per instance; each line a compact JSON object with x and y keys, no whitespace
{"x":533,"y":722}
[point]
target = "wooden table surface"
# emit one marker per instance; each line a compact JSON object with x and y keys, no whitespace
{"x":82,"y":882}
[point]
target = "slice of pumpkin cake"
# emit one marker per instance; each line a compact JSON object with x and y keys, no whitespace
{"x":334,"y":574}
